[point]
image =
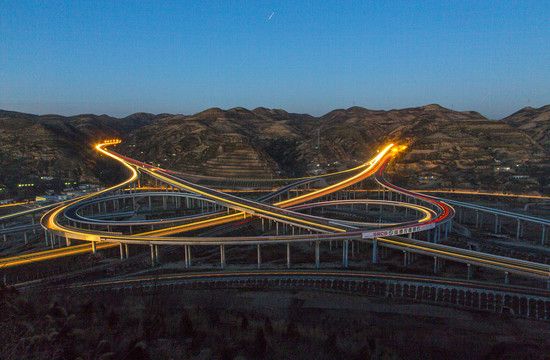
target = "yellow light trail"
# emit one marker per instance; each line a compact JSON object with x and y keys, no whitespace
{"x":340,"y":185}
{"x":16,"y":204}
{"x":52,"y":224}
{"x":52,"y":216}
{"x":51,"y":254}
{"x":235,"y":203}
{"x":287,"y":203}
{"x":510,"y":263}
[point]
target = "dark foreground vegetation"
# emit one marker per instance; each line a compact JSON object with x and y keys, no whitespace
{"x":224,"y":324}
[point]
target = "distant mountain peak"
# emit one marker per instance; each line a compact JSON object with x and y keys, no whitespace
{"x":431,"y":107}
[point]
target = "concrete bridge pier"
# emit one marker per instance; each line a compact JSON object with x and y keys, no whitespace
{"x":34,"y":222}
{"x":259,"y":256}
{"x":93,"y":247}
{"x":317,"y":257}
{"x":121,"y":246}
{"x":374,"y":250}
{"x":187,"y":250}
{"x":222,"y":256}
{"x":469,"y":271}
{"x":345,"y":253}
{"x":543,"y":234}
{"x":154,"y":255}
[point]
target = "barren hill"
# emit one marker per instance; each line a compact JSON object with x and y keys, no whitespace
{"x":33,"y":146}
{"x":469,"y":152}
{"x":535,"y":122}
{"x":451,"y":148}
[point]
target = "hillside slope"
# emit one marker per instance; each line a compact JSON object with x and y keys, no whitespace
{"x":535,"y":122}
{"x":446,"y":148}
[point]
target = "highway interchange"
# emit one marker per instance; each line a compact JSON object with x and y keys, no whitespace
{"x":282,"y":222}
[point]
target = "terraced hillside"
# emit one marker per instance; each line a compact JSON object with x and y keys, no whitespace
{"x":446,"y":148}
{"x":535,"y":122}
{"x":53,"y":146}
{"x":470,"y":153}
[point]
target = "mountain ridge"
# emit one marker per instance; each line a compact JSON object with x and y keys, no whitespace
{"x":263,"y":142}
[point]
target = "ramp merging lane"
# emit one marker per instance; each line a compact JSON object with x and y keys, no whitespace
{"x":284,"y":212}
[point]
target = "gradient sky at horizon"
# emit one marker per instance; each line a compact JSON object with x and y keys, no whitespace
{"x":121,"y":57}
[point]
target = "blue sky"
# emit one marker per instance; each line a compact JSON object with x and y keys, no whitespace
{"x":121,"y":57}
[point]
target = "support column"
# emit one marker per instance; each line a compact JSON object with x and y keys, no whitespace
{"x":259,"y":257}
{"x":126,"y":251}
{"x":33,"y":222}
{"x":46,"y":237}
{"x":93,"y":247}
{"x":222,"y":256}
{"x":518,"y":229}
{"x":26,"y":237}
{"x":67,"y":241}
{"x":506,"y":277}
{"x":543,"y":234}
{"x":496,"y":223}
{"x":153,"y":260}
{"x":477,"y":219}
{"x":186,"y":249}
{"x":317,"y":260}
{"x":374,"y":250}
{"x":436,"y":265}
{"x":345,"y":253}
{"x":469,"y":271}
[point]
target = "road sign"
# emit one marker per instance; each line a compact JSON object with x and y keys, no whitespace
{"x":396,"y":232}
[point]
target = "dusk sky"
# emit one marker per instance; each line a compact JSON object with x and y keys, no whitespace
{"x":121,"y":57}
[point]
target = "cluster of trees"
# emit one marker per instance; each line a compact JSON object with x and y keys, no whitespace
{"x":158,"y":326}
